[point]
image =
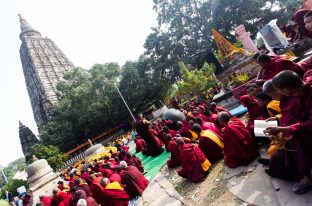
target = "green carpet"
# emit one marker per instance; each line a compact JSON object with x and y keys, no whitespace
{"x":152,"y":165}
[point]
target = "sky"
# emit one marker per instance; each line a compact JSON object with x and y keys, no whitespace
{"x":88,"y":32}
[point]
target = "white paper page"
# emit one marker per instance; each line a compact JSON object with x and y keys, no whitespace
{"x":261,"y":125}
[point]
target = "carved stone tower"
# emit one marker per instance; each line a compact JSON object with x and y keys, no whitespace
{"x":44,"y":65}
{"x":27,"y":138}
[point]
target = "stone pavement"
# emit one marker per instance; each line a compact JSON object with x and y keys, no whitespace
{"x":161,"y":192}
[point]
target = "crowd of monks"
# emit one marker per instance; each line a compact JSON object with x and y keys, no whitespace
{"x":208,"y":134}
{"x":112,"y":181}
{"x":282,"y":92}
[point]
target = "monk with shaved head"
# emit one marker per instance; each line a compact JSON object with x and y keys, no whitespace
{"x":289,"y":84}
{"x":194,"y":163}
{"x":239,"y":147}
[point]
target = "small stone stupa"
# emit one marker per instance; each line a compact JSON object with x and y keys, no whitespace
{"x":41,"y":178}
{"x":94,"y":149}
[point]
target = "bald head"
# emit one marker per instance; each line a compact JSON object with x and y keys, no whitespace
{"x":123,"y":165}
{"x":269,"y":89}
{"x":104,"y":182}
{"x":223,"y":117}
{"x":287,"y":80}
{"x":196,"y":128}
{"x":180,"y":141}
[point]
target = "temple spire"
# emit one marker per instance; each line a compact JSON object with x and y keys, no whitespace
{"x":26,"y":29}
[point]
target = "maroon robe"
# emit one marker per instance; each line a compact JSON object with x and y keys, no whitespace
{"x":239,"y":147}
{"x":191,"y":160}
{"x":85,"y":187}
{"x":302,"y":131}
{"x":153,"y":144}
{"x":211,"y":150}
{"x":277,"y":65}
{"x":134,"y":181}
{"x":115,"y":178}
{"x":96,"y":190}
{"x":138,"y":146}
{"x":135,"y":161}
{"x":254,"y":111}
{"x":212,"y":127}
{"x":175,"y":158}
{"x":114,"y":197}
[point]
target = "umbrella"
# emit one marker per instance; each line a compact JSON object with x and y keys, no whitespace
{"x":174,"y":115}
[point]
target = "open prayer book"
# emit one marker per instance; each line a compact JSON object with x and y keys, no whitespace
{"x":261,"y":125}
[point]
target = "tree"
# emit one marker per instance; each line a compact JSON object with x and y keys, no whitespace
{"x":52,"y":154}
{"x":184,"y":28}
{"x":11,"y":169}
{"x":12,"y":186}
{"x":196,"y":81}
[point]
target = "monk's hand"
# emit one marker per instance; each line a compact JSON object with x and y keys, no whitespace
{"x":275,"y":130}
{"x":271,"y":119}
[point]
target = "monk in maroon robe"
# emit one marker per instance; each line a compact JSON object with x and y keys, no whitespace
{"x":239,"y":147}
{"x":133,"y":180}
{"x":272,"y":66}
{"x":96,"y":188}
{"x":113,"y":194}
{"x":174,"y":149}
{"x":138,"y":145}
{"x":195,"y":165}
{"x":254,"y":111}
{"x":209,"y":143}
{"x":208,"y":125}
{"x":82,"y":185}
{"x":153,"y":144}
{"x":184,"y":129}
{"x":289,"y":83}
{"x":283,"y":163}
{"x":81,"y":194}
{"x":134,"y":161}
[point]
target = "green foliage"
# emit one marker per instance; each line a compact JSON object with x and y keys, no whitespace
{"x":52,"y":154}
{"x":89,"y":102}
{"x":11,"y":169}
{"x":240,"y":79}
{"x":184,"y":28}
{"x":196,"y":81}
{"x":13,"y":185}
{"x":3,"y":202}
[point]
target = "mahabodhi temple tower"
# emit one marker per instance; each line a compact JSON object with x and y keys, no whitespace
{"x":44,"y":65}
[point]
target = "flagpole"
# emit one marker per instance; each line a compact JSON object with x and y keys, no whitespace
{"x":125,"y":103}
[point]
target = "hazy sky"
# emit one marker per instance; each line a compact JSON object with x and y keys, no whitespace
{"x":88,"y":32}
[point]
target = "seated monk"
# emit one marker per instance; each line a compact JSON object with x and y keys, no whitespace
{"x":272,"y":66}
{"x":96,"y":188}
{"x":81,"y":194}
{"x":239,"y":147}
{"x":138,"y":145}
{"x":82,"y":185}
{"x":289,"y":84}
{"x":174,"y":158}
{"x":273,"y":108}
{"x":153,"y":144}
{"x":215,"y":109}
{"x":271,"y":105}
{"x":132,"y":179}
{"x":194,"y":163}
{"x":113,"y":194}
{"x":209,"y":143}
{"x":184,"y":129}
{"x":134,"y":161}
{"x":282,"y":163}
{"x":208,"y":125}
